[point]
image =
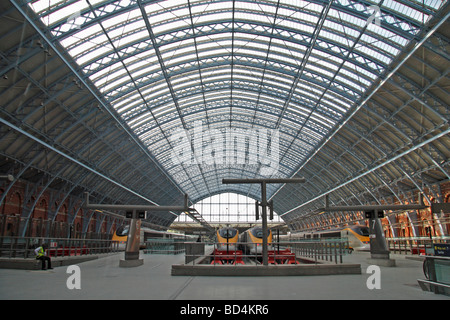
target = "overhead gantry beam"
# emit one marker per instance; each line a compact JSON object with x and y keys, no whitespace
{"x":128,"y":207}
{"x":263,"y":183}
{"x":378,"y":208}
{"x":193,"y":213}
{"x":133,"y":241}
{"x":378,"y":248}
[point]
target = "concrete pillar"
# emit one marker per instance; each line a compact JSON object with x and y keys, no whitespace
{"x":379,"y":251}
{"x":133,"y":242}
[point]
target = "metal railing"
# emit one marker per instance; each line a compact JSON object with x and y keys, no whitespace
{"x":308,"y":251}
{"x":23,"y":247}
{"x":437,"y":273}
{"x":324,"y":249}
{"x":164,"y":246}
{"x":414,"y":245}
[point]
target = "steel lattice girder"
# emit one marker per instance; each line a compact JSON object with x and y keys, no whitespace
{"x":190,"y":79}
{"x":68,"y":129}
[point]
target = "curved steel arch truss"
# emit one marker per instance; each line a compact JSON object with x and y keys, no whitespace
{"x":350,"y":94}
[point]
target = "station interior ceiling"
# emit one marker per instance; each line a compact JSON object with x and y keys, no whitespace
{"x":144,"y":101}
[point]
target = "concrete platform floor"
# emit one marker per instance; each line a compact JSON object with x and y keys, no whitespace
{"x":104,"y":279}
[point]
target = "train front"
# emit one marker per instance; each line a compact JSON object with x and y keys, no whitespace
{"x":227,"y":239}
{"x":255,"y":240}
{"x":121,"y":236}
{"x":359,"y":238}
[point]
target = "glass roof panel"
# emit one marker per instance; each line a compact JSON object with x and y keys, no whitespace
{"x":282,"y":65}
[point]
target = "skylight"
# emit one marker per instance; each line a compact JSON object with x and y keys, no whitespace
{"x":255,"y":65}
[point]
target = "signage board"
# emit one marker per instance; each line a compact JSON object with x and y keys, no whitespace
{"x":441,"y":249}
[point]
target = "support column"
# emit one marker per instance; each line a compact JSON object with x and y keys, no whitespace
{"x":263,"y":183}
{"x":378,"y":248}
{"x":133,"y":241}
{"x":265,"y":254}
{"x":379,"y":251}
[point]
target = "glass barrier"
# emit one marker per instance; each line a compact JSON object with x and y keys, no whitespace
{"x":164,"y":246}
{"x":279,"y":253}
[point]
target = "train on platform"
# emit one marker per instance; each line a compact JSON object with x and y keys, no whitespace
{"x":251,"y":241}
{"x":227,"y":239}
{"x":357,"y":235}
{"x":121,"y":236}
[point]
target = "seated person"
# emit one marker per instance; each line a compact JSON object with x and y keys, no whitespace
{"x":40,"y":255}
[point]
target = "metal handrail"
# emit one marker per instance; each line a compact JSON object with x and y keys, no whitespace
{"x":164,"y":246}
{"x":23,"y":247}
{"x":318,"y":250}
{"x":414,"y":245}
{"x":436,"y":281}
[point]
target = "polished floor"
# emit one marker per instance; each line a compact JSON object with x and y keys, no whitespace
{"x":104,"y":279}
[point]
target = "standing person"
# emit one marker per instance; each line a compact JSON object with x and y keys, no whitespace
{"x":40,"y":255}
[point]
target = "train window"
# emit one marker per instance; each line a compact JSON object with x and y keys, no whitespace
{"x":364,"y":231}
{"x":122,"y":231}
{"x":258,"y":232}
{"x":228,"y":233}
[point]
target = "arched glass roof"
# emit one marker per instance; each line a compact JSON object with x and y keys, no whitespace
{"x":227,"y":208}
{"x":231,"y":89}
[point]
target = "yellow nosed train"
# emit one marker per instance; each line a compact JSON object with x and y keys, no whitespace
{"x":357,"y":235}
{"x":227,"y":239}
{"x":252,"y":239}
{"x":121,"y":236}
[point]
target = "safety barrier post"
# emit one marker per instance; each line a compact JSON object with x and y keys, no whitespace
{"x":311,"y":246}
{"x":335,"y":252}
{"x":322,"y":252}
{"x":315,"y":252}
{"x":27,"y":245}
{"x":11,"y":249}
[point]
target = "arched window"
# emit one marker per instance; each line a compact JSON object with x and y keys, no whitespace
{"x":227,"y":208}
